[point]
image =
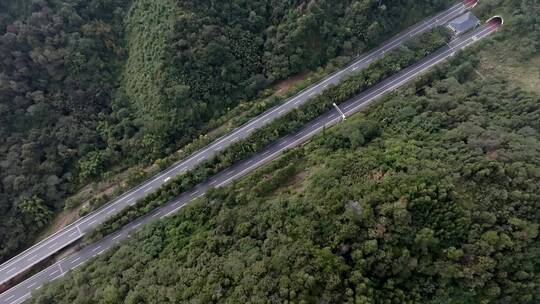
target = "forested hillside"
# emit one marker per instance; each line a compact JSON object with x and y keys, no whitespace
{"x":431,"y":196}
{"x":441,"y":207}
{"x":190,"y":61}
{"x":86,"y":86}
{"x":56,"y":82}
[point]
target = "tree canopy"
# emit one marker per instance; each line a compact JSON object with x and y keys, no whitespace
{"x":87,"y":86}
{"x":430,"y":196}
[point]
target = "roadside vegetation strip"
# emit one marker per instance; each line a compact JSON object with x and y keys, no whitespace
{"x":219,"y":127}
{"x":237,"y":117}
{"x":414,"y":50}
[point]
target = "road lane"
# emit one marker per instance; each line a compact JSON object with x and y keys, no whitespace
{"x":22,"y":291}
{"x":65,"y":236}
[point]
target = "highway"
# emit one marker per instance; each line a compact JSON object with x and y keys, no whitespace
{"x":21,"y":292}
{"x":73,"y":232}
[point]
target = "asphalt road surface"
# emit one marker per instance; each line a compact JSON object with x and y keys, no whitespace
{"x":76,"y":230}
{"x":21,"y":292}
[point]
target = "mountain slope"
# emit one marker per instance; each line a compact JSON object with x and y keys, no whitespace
{"x":88,"y":88}
{"x":430,"y":197}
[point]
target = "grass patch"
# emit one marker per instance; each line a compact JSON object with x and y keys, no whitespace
{"x":525,"y":73}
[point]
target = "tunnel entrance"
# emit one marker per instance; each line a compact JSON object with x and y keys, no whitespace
{"x":495,"y":21}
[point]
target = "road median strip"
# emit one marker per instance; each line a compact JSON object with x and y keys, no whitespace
{"x":289,"y":123}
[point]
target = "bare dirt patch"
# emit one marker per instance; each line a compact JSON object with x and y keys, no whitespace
{"x":296,"y":182}
{"x":62,"y":220}
{"x":377,"y":175}
{"x":283,"y":86}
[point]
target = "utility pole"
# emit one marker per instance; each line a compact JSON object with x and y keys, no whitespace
{"x":339,"y":110}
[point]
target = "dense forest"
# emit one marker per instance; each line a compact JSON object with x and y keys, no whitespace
{"x":86,"y":86}
{"x":431,"y":196}
{"x":56,"y":80}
